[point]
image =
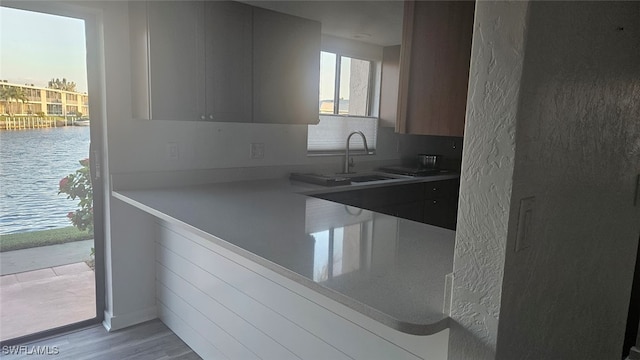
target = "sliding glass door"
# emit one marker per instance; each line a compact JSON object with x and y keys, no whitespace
{"x":50,"y":189}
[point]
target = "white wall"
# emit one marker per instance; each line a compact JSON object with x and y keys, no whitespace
{"x":578,"y":153}
{"x":130,"y":233}
{"x":486,"y":181}
{"x":553,"y":114}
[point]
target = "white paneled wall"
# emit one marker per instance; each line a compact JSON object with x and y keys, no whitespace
{"x":227,"y":307}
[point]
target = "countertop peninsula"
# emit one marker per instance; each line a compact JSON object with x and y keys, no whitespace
{"x":390,"y":269}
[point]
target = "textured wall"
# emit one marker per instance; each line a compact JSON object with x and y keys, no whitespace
{"x":578,"y":153}
{"x":487,"y":169}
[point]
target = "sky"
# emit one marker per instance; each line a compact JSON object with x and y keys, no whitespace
{"x":328,"y":73}
{"x":36,"y":47}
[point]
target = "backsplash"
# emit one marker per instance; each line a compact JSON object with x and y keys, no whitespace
{"x":448,"y":146}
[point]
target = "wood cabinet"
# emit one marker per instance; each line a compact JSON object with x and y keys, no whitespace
{"x":434,"y":67}
{"x":389,"y":88}
{"x":223,"y":61}
{"x":434,"y":203}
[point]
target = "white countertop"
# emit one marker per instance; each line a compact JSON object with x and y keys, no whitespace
{"x":390,"y":269}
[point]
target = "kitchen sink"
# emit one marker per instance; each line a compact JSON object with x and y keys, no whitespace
{"x":373,"y":177}
{"x":346,"y":179}
{"x":368,"y":178}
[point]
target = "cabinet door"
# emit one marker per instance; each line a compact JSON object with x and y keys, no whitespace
{"x":392,"y":195}
{"x":434,"y":67}
{"x":389,"y":88}
{"x":411,"y":211}
{"x":440,"y":212}
{"x":352,"y":198}
{"x":442,"y":188}
{"x":286,"y":68}
{"x":176,"y":60}
{"x":228,"y":61}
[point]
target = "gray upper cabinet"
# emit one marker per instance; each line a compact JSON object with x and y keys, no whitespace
{"x":176,"y":75}
{"x":286,"y":68}
{"x":223,"y":61}
{"x":228,"y":61}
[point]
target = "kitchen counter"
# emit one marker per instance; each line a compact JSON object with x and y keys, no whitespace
{"x":389,"y":269}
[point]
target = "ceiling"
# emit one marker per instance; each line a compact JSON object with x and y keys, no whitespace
{"x":374,"y":22}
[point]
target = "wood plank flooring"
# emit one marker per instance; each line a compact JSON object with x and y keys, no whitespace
{"x":148,"y":341}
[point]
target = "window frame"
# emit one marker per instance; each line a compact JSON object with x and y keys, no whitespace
{"x":336,"y":90}
{"x":370,"y":124}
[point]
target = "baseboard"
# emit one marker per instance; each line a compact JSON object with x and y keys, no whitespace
{"x":112,"y":323}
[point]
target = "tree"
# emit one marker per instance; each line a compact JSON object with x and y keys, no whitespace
{"x":4,"y":97}
{"x":8,"y":93}
{"x":62,"y":84}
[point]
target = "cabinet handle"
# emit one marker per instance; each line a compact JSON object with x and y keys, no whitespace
{"x":435,"y":189}
{"x":211,"y":117}
{"x":202,"y":117}
{"x":435,"y":201}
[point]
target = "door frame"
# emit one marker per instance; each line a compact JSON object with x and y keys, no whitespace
{"x":96,"y":87}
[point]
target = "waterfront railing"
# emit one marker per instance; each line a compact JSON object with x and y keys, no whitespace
{"x":34,"y":122}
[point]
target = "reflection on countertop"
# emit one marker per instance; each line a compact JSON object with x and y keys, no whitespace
{"x":390,"y":269}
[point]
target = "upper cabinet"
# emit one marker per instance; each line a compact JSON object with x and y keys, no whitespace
{"x":176,"y":73}
{"x":227,"y":61}
{"x":223,"y":61}
{"x":389,"y":88}
{"x":286,"y":68}
{"x":434,"y":67}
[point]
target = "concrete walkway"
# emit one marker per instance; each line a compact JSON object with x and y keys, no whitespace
{"x":42,"y":299}
{"x":45,"y":287}
{"x":17,"y":261}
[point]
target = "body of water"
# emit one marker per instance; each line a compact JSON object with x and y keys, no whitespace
{"x":32,"y":162}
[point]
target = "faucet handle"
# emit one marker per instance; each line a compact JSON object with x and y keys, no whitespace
{"x":351,"y":163}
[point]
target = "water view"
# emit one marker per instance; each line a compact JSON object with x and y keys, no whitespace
{"x":32,"y":162}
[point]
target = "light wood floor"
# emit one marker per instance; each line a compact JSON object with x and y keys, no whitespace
{"x":147,"y":341}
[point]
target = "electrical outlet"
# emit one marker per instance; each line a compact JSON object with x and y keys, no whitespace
{"x":257,"y":151}
{"x":173,"y":152}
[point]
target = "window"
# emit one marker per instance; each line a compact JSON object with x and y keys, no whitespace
{"x":336,"y":252}
{"x":344,"y":105}
{"x":344,"y":85}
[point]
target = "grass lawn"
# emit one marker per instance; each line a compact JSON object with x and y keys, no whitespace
{"x":41,"y":238}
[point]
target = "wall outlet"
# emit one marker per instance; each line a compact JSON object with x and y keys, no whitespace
{"x":257,"y":151}
{"x":173,"y":152}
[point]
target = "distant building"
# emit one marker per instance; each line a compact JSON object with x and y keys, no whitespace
{"x":49,"y":101}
